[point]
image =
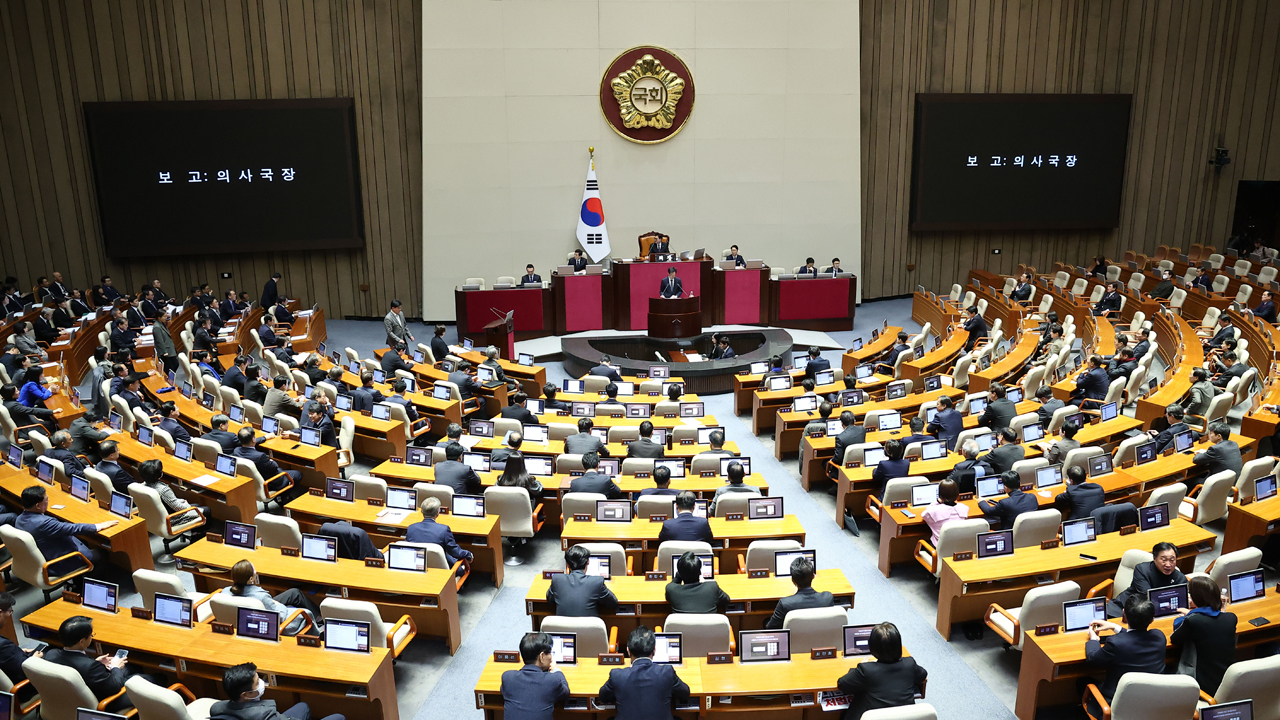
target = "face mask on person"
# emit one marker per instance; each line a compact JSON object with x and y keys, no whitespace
{"x":258,"y":690}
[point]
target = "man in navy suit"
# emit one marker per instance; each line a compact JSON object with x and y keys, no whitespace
{"x":660,"y":244}
{"x":1225,"y":332}
{"x":169,"y":415}
{"x":976,"y":327}
{"x":531,"y":693}
{"x":234,"y":377}
{"x":1109,"y":304}
{"x":578,"y":262}
{"x":1081,"y":498}
{"x":530,"y":276}
{"x":1136,"y":649}
{"x":110,"y":466}
{"x":227,"y":308}
{"x":605,"y":369}
{"x":726,"y":352}
{"x":735,"y":258}
{"x":643,"y":691}
{"x":1022,"y":292}
{"x":267,"y":335}
{"x":282,"y":314}
{"x":61,"y":451}
{"x":1202,"y":280}
{"x":270,"y":292}
{"x":1173,"y":415}
{"x":593,"y":482}
{"x":430,"y":531}
{"x":671,"y":286}
{"x":816,"y":363}
{"x":1267,"y":308}
{"x":852,"y":434}
{"x":947,"y":424}
{"x":684,"y":526}
{"x":577,"y":594}
{"x":893,"y":466}
{"x":805,"y":597}
{"x":1091,"y":387}
{"x":1008,"y":509}
{"x":267,"y":467}
{"x":55,"y":538}
{"x":455,"y":474}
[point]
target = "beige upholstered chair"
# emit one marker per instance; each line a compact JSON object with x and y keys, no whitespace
{"x":1252,"y":680}
{"x":31,"y":566}
{"x":701,"y":633}
{"x":1208,"y":502}
{"x":816,"y":627}
{"x":1031,"y":528}
{"x":1040,"y":606}
{"x":395,"y":636}
{"x":277,"y":531}
{"x":1147,"y":696}
{"x":175,"y":702}
{"x":62,"y":690}
{"x":956,"y":536}
{"x":918,"y":711}
{"x":150,"y":582}
{"x":160,"y":522}
{"x":674,"y":548}
{"x":593,"y":638}
{"x":760,"y":554}
{"x":619,"y":562}
{"x":1131,"y":559}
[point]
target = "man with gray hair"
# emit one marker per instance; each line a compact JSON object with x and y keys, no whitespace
{"x":61,"y":451}
{"x":398,"y":335}
{"x":430,"y":531}
{"x":1223,"y":453}
{"x":966,"y":472}
{"x":491,"y":361}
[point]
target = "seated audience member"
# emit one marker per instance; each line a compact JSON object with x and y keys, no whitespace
{"x":279,"y":400}
{"x":584,"y":442}
{"x":366,"y":396}
{"x":1209,"y":629}
{"x":26,"y":415}
{"x":819,"y":424}
{"x":244,"y":583}
{"x":577,"y":594}
{"x":947,"y":423}
{"x":453,"y":434}
{"x":944,"y":510}
{"x":516,"y":474}
{"x":517,"y":410}
{"x":1266,"y":309}
{"x":1137,"y":648}
{"x":246,"y":689}
{"x":467,"y":386}
{"x":1007,"y":509}
{"x":1234,"y":369}
{"x":852,"y":434}
{"x":272,"y":475}
{"x":1224,"y":333}
{"x":429,"y":531}
{"x":234,"y":377}
{"x":531,"y":693}
{"x":1080,"y":498}
{"x":1091,"y":385}
{"x":685,"y":525}
{"x":802,"y":572}
{"x":457,"y":475}
{"x":661,"y":482}
{"x":645,"y":447}
{"x":228,"y":441}
{"x":591,"y":481}
{"x":809,"y":268}
{"x":611,"y":397}
{"x":151,"y":473}
{"x":1021,"y":292}
{"x":966,"y":472}
{"x":1201,"y":394}
{"x":893,"y":466}
{"x":109,"y":465}
{"x":1222,"y":454}
{"x":1122,"y":365}
{"x":1049,"y":350}
{"x":892,"y":680}
{"x":689,"y":593}
{"x":1058,"y":450}
{"x":61,"y":451}
{"x":1001,"y":411}
{"x":317,"y":418}
{"x":645,"y":690}
{"x":103,"y":675}
{"x":549,"y":401}
{"x":1163,"y":289}
{"x":716,"y":441}
{"x":606,"y":369}
{"x":976,"y":326}
{"x":1161,"y":571}
{"x":511,"y":447}
{"x":1006,"y":453}
{"x":816,"y":363}
{"x":169,"y":415}
{"x":1173,"y":415}
{"x":12,"y":656}
{"x":1109,"y":304}
{"x":736,"y":485}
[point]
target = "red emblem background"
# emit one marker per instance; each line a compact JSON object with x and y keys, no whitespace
{"x":609,"y":105}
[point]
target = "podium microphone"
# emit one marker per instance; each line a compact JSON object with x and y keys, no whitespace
{"x":497,"y":312}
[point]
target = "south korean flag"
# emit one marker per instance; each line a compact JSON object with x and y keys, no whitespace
{"x":592,"y":235}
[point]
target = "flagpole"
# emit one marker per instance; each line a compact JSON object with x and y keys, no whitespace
{"x":592,"y":151}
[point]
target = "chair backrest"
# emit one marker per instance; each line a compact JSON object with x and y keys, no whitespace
{"x":27,"y":558}
{"x":560,"y":431}
{"x":151,"y":508}
{"x":651,"y":505}
{"x":1026,"y":469}
{"x":959,"y":536}
{"x":502,"y":426}
{"x":346,"y":433}
{"x":734,"y":502}
{"x":1113,"y":272}
{"x":163,"y":439}
{"x":100,"y":484}
{"x":1077,"y":288}
{"x":226,"y":606}
{"x":1148,"y":696}
{"x":1098,"y":292}
{"x":816,"y":627}
{"x":617,"y":556}
{"x":150,"y":582}
{"x":1234,"y":562}
{"x":628,"y":433}
{"x":369,"y":487}
{"x":1046,"y":303}
{"x":1256,"y":680}
{"x":1131,"y":559}
{"x":900,"y":488}
{"x":1243,"y":294}
{"x":631,"y":466}
{"x":511,"y":505}
{"x":580,"y":502}
{"x":127,"y":420}
{"x":673,"y":548}
{"x":1213,"y":497}
{"x":344,"y":609}
{"x":595,"y":383}
{"x":960,"y":373}
{"x":278,"y":531}
{"x":956,"y":289}
{"x":1043,"y":605}
{"x":1172,"y":494}
{"x":1252,"y":470}
{"x":593,"y":638}
{"x":1031,"y":528}
{"x":62,"y":690}
{"x":443,"y":493}
{"x":1246,"y":385}
{"x":702,"y":634}
{"x":1080,"y":457}
{"x":704,"y":463}
{"x":760,"y":552}
{"x":857,"y":452}
{"x":205,"y":451}
{"x":155,"y":702}
{"x":1061,"y":279}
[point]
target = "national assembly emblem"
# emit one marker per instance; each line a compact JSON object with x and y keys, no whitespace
{"x":646,"y":94}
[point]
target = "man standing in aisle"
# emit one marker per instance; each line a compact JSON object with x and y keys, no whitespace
{"x":398,"y":335}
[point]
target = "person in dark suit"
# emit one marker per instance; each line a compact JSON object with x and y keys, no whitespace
{"x":660,"y":244}
{"x":1209,"y":629}
{"x":517,"y":410}
{"x":1266,"y":309}
{"x":852,"y":434}
{"x":605,"y":369}
{"x":439,"y":348}
{"x":267,"y":467}
{"x":467,"y":385}
{"x":916,"y":426}
{"x":1048,"y":405}
{"x":1235,"y":369}
{"x":1163,"y":289}
{"x":270,"y":292}
{"x":531,"y":693}
{"x":25,"y":415}
{"x":735,"y":258}
{"x":246,"y":688}
{"x":455,"y":474}
{"x":593,"y":482}
{"x":966,"y":472}
{"x":364,"y":397}
{"x":530,"y":276}
{"x":169,"y":416}
{"x":685,"y":526}
{"x":671,"y":286}
{"x":809,"y":268}
{"x":123,"y":339}
{"x":1001,"y":411}
{"x":661,"y":484}
{"x":317,"y":417}
{"x":1143,"y":347}
{"x":689,"y":593}
{"x":645,"y":447}
{"x":584,"y":442}
{"x":254,"y":390}
{"x":1007,"y":451}
{"x":393,"y":361}
{"x":549,"y":401}
{"x":1022,"y":291}
{"x":1091,"y":386}
{"x":802,"y":572}
{"x":1161,"y":571}
{"x":903,"y":345}
{"x":1080,"y":498}
{"x":267,"y":335}
{"x":1009,"y":508}
{"x":1173,"y":415}
{"x":578,"y":262}
{"x":227,"y":308}
{"x":234,"y":377}
{"x":1222,"y":454}
{"x":103,"y":675}
{"x":816,"y":363}
{"x":893,"y":466}
{"x":399,"y":387}
{"x":55,"y":538}
{"x":430,"y":531}
{"x":282,"y":314}
{"x":1137,"y":648}
{"x":947,"y":424}
{"x":1202,"y":280}
{"x":975,"y":325}
{"x":1225,"y":332}
{"x":61,"y":451}
{"x":725,"y":351}
{"x":109,"y":465}
{"x":891,"y":681}
{"x":643,"y":691}
{"x":1109,"y":304}
{"x":1121,"y":366}
{"x":219,"y":434}
{"x":577,"y":594}
{"x":12,"y":656}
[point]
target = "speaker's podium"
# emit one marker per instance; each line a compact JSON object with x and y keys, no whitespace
{"x":675,"y":317}
{"x":501,"y":333}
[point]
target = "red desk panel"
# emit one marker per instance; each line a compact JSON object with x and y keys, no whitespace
{"x":583,"y":309}
{"x":647,"y":277}
{"x":813,"y":299}
{"x":478,"y":305}
{"x":742,"y":297}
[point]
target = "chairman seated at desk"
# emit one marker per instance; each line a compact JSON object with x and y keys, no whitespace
{"x":661,"y":244}
{"x":671,"y":286}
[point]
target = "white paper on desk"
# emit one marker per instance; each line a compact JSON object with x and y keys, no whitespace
{"x":694,"y":357}
{"x":204,"y":480}
{"x":148,"y":330}
{"x":1045,"y":493}
{"x":469,"y":441}
{"x":300,"y":357}
{"x":57,"y":507}
{"x":692,"y":421}
{"x":303,"y":313}
{"x":394,"y":516}
{"x":297,"y":337}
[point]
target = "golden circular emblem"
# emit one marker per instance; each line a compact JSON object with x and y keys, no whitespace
{"x":646,"y":94}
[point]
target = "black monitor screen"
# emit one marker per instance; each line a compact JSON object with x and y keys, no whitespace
{"x":225,"y":176}
{"x":1238,"y":710}
{"x":1018,"y":161}
{"x":260,"y":624}
{"x":1168,"y":599}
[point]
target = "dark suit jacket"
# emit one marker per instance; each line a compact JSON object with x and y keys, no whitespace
{"x":1214,"y":638}
{"x":530,"y":278}
{"x":1003,"y":457}
{"x":1165,"y":438}
{"x":579,"y":264}
{"x":1222,"y":336}
{"x":705,"y":597}
{"x":11,"y":659}
{"x":1142,"y":348}
{"x":467,"y":385}
{"x":1127,"y":651}
{"x":738,"y":260}
{"x":103,"y":683}
{"x":519,"y":412}
{"x":686,"y":527}
{"x":85,"y":438}
{"x":1078,"y":501}
{"x":1021,"y":293}
{"x":1162,"y":290}
{"x":328,"y":435}
{"x":267,"y":467}
{"x":1110,"y":302}
{"x":644,"y":691}
{"x":1120,"y":369}
{"x":226,"y":440}
{"x":671,"y":288}
{"x":269,"y":294}
{"x":965,"y":475}
{"x":802,"y":599}
{"x":175,"y":429}
{"x":593,"y":482}
{"x":852,"y":435}
{"x":999,"y":414}
{"x":458,"y":476}
{"x":1222,"y":456}
{"x":1045,"y":413}
{"x":887,"y":470}
{"x":1145,"y":577}
{"x":363,"y":398}
{"x":255,"y":391}
{"x":68,"y":459}
{"x":583,"y":443}
{"x":947,"y":426}
{"x":606,"y":371}
{"x":391,"y":362}
{"x":1094,"y":383}
{"x":430,"y":531}
{"x":645,"y":448}
{"x":815,"y":366}
{"x":1266,"y":311}
{"x":53,"y":537}
{"x":531,"y":694}
{"x":120,"y":478}
{"x":1236,"y":370}
{"x":1008,"y":509}
{"x":977,"y":328}
{"x":577,"y":594}
{"x":234,"y":378}
{"x":873,"y":685}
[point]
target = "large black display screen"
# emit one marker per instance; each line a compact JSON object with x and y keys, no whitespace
{"x":1018,"y":162}
{"x":195,"y":178}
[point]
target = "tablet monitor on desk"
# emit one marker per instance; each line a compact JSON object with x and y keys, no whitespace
{"x":537,"y":407}
{"x":660,"y":435}
{"x":1110,"y":411}
{"x":1077,"y":614}
{"x":977,"y":405}
{"x":804,"y":403}
{"x":780,"y":382}
{"x":1032,"y":433}
{"x":310,"y":436}
{"x":320,"y":547}
{"x":537,"y":434}
{"x":1247,"y":585}
{"x":849,"y":398}
{"x":307,"y":391}
{"x":704,"y":433}
{"x":857,"y":640}
{"x":14,"y":457}
{"x":421,"y":457}
{"x":917,"y":352}
{"x":667,"y":648}
{"x":182,"y":450}
{"x":985,"y":441}
{"x":564,"y":648}
{"x":1238,"y":710}
{"x":44,"y":471}
{"x":441,"y":392}
{"x":601,"y":434}
{"x":890,"y":421}
{"x":241,"y":535}
{"x":824,"y":377}
{"x":922,"y":495}
{"x":759,"y":368}
{"x":598,"y":566}
{"x":1049,"y":476}
{"x":346,"y":635}
{"x":1014,"y":395}
{"x":185,"y":389}
{"x":708,"y":563}
{"x":114,"y":420}
{"x":1075,"y":532}
{"x":764,"y":508}
{"x":989,"y":487}
{"x":468,"y":506}
{"x":353,"y":367}
{"x":782,"y":560}
{"x":699,"y":508}
{"x":538,"y":466}
{"x":402,"y":499}
{"x":173,"y":610}
{"x":1183,"y":441}
{"x":257,"y":624}
{"x":764,"y":646}
{"x":661,"y":371}
{"x":379,"y":376}
{"x":725,"y":462}
{"x":482,"y":428}
{"x":524,"y":359}
{"x":895,"y":391}
{"x":625,"y":388}
{"x":337,"y":489}
{"x":575,"y":386}
{"x":933,"y":383}
{"x":675,"y":467}
{"x":613,"y":511}
{"x":872,"y":457}
{"x":834,"y":427}
{"x":79,"y":488}
{"x":407,"y":558}
{"x":381,"y":411}
{"x":447,"y":366}
{"x":932,"y":450}
{"x":1154,"y":516}
{"x":173,"y":378}
{"x":1145,"y":453}
{"x":610,"y":466}
{"x":207,"y":400}
{"x":271,"y":425}
{"x":225,"y":464}
{"x":582,"y":409}
{"x":995,"y":544}
{"x":864,"y":371}
{"x":1265,"y":487}
{"x":121,"y":505}
{"x":476,"y":461}
{"x":236,"y":413}
{"x":100,"y":595}
{"x":1100,"y":465}
{"x":857,"y":344}
{"x":1168,"y":599}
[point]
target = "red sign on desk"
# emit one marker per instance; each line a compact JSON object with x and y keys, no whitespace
{"x":813,"y":299}
{"x":647,"y":277}
{"x":526,"y":303}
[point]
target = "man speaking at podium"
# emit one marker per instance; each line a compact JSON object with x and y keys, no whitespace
{"x":671,"y":286}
